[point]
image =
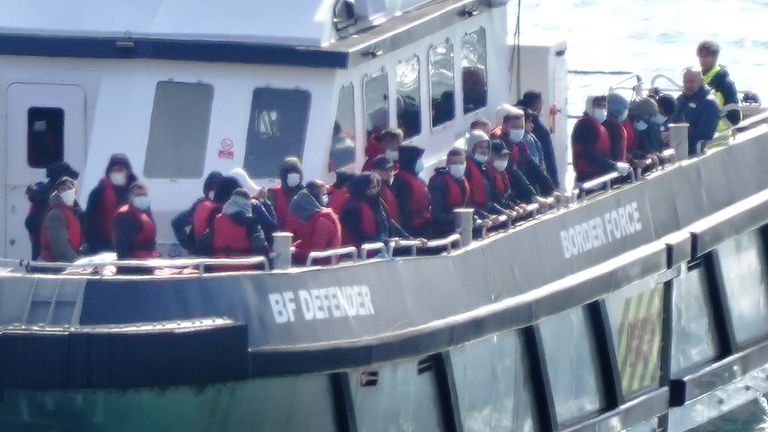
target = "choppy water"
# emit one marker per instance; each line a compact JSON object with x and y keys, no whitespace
{"x":657,"y":37}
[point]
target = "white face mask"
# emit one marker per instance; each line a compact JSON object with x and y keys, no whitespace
{"x":293,"y":179}
{"x":68,"y":196}
{"x":419,"y":166}
{"x":623,"y":116}
{"x":457,"y":170}
{"x":640,"y":125}
{"x":118,"y":178}
{"x":600,"y":114}
{"x":211,"y":195}
{"x":391,"y":155}
{"x":500,"y":165}
{"x":141,"y":202}
{"x":481,"y":159}
{"x":324,"y":200}
{"x":516,"y":135}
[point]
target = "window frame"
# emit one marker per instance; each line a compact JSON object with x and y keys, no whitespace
{"x":351,"y":85}
{"x":366,"y":115}
{"x":418,"y":92}
{"x":485,"y":41}
{"x":450,"y":43}
{"x":61,"y":135}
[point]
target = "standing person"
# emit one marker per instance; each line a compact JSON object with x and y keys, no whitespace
{"x":322,"y":229}
{"x":697,"y":107}
{"x":189,"y":225}
{"x":448,"y":190}
{"x":236,"y":233}
{"x":716,"y":77}
{"x":112,"y":192}
{"x":411,"y":192}
{"x":384,"y":167}
{"x":533,"y":100}
{"x":133,"y":228}
{"x":291,"y":178}
{"x":591,"y":144}
{"x":390,"y":141}
{"x":618,"y":109}
{"x":60,"y":236}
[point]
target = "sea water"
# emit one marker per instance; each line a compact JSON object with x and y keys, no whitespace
{"x":649,"y":38}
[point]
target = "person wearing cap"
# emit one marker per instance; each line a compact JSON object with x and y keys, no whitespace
{"x":717,"y":78}
{"x":534,"y":101}
{"x":697,"y":107}
{"x":291,"y":178}
{"x":384,"y":167}
{"x":448,"y":190}
{"x":322,"y":229}
{"x":532,"y":144}
{"x":112,"y":192}
{"x":61,"y":236}
{"x":389,"y":142}
{"x":502,"y":193}
{"x":618,"y":109}
{"x":411,"y":192}
{"x":365,"y":218}
{"x":38,"y":195}
{"x":644,"y":116}
{"x":133,"y":227}
{"x":189,"y":225}
{"x":591,"y":144}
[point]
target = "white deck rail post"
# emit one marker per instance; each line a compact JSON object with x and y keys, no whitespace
{"x":281,"y":247}
{"x":679,"y":140}
{"x":464,"y":222}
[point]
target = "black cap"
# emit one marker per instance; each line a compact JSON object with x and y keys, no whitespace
{"x":498,"y":147}
{"x":382,"y":162}
{"x":57,"y":170}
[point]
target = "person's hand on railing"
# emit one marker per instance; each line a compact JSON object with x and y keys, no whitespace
{"x":622,"y":168}
{"x":422,"y":241}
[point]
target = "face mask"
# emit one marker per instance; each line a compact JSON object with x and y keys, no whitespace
{"x":324,"y":200}
{"x":211,"y":195}
{"x":391,"y":154}
{"x":457,"y":170}
{"x":293,"y":179}
{"x":659,"y":119}
{"x":640,"y":125}
{"x":141,"y":202}
{"x":516,"y":135}
{"x":500,"y":165}
{"x":600,"y":114}
{"x":419,"y":166}
{"x":68,"y":196}
{"x":481,"y":159}
{"x":118,"y":178}
{"x":623,"y":116}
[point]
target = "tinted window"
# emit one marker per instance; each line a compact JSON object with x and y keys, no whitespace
{"x":343,"y":136}
{"x":408,"y":97}
{"x":45,"y":136}
{"x":376,"y":100}
{"x":441,"y":84}
{"x":276,"y":129}
{"x":178,"y":133}
{"x":693,"y":327}
{"x":474,"y":77}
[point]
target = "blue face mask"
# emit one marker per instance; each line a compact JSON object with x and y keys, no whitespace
{"x":640,"y":125}
{"x":419,"y":166}
{"x":324,"y":200}
{"x":141,"y":202}
{"x":623,"y":116}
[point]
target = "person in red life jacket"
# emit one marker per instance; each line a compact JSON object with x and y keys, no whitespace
{"x":384,"y":167}
{"x":38,"y":195}
{"x":60,"y":235}
{"x":189,"y":225}
{"x":617,"y":108}
{"x":501,"y":188}
{"x":478,"y":176}
{"x":411,"y":193}
{"x":111,"y":193}
{"x":236,"y":232}
{"x":262,"y":209}
{"x":291,"y":182}
{"x":591,"y":144}
{"x":365,"y":218}
{"x":390,"y":141}
{"x":338,"y":193}
{"x":322,"y":230}
{"x":448,"y":190}
{"x":133,"y":230}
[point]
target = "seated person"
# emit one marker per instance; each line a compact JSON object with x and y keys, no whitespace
{"x":364,"y":218}
{"x":322,"y":229}
{"x":390,"y":140}
{"x":189,"y":225}
{"x":236,"y":232}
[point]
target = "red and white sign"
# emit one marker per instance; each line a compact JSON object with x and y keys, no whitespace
{"x":226,"y":149}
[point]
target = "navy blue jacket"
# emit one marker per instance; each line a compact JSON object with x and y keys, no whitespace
{"x":723,"y":83}
{"x":702,"y":113}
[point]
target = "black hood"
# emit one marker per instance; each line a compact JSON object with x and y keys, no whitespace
{"x":342,"y":178}
{"x":408,"y":155}
{"x":121,"y":159}
{"x":359,"y":185}
{"x":212,"y":181}
{"x":224,"y":189}
{"x":57,"y":170}
{"x":291,"y":164}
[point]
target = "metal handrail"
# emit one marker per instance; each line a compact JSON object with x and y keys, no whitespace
{"x":368,"y":247}
{"x":200,"y":263}
{"x":335,"y":254}
{"x":677,"y":87}
{"x":446,"y":242}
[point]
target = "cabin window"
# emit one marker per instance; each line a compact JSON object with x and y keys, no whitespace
{"x":45,"y":136}
{"x":277,"y":128}
{"x":441,"y":84}
{"x":408,"y":97}
{"x":178,"y":132}
{"x":474,"y":75}
{"x":376,"y":100}
{"x":343,"y":137}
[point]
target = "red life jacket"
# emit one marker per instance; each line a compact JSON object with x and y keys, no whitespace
{"x":476,"y":180}
{"x":286,"y":221}
{"x":305,"y":241}
{"x":583,"y":166}
{"x":338,"y":199}
{"x":108,"y":208}
{"x":457,"y":190}
{"x":517,"y":151}
{"x":389,"y":199}
{"x":631,"y":137}
{"x":618,"y":148}
{"x":418,"y":205}
{"x":201,"y":217}
{"x":500,"y":182}
{"x":73,"y":231}
{"x":367,"y":224}
{"x":229,"y":238}
{"x":144,"y":244}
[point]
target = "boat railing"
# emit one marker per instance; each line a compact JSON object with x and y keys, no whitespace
{"x":367,"y":248}
{"x":334,"y":254}
{"x":87,"y":267}
{"x":450,"y":243}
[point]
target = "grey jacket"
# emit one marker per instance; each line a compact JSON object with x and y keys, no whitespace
{"x":55,"y":223}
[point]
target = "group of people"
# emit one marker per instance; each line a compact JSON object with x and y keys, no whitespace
{"x":615,"y":135}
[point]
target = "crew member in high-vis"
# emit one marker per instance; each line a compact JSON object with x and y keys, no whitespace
{"x":60,"y":236}
{"x":717,"y":78}
{"x":291,"y":178}
{"x":133,"y":228}
{"x":448,"y":190}
{"x":591,"y":144}
{"x":110,"y":194}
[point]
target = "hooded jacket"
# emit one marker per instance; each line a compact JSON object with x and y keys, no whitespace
{"x":322,"y":229}
{"x":184,"y":223}
{"x":103,"y":202}
{"x":411,"y":192}
{"x":363,"y":218}
{"x":280,"y":196}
